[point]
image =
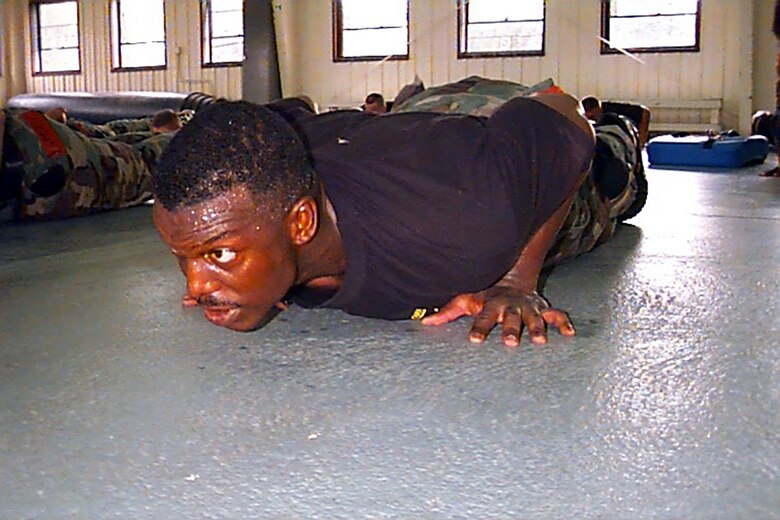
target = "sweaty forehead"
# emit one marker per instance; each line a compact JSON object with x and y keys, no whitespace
{"x":233,"y":212}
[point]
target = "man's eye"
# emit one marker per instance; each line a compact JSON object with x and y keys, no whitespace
{"x":222,"y":256}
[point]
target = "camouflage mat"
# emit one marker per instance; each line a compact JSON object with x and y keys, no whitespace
{"x":592,"y":218}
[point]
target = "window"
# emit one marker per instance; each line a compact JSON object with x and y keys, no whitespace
{"x":222,"y":26}
{"x":650,"y":26}
{"x":500,"y":28}
{"x":55,"y":36}
{"x":138,"y":30}
{"x":374,"y":30}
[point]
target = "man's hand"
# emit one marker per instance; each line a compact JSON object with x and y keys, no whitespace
{"x":512,"y":308}
{"x":513,"y":300}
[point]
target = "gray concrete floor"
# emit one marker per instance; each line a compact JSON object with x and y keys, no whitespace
{"x":117,"y":403}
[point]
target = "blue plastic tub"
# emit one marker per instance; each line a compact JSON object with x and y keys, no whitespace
{"x":697,"y":150}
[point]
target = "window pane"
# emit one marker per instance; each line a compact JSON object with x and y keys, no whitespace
{"x":645,"y":7}
{"x":58,"y":60}
{"x":226,"y":5}
{"x":374,"y":42}
{"x":143,"y":55}
{"x":501,"y":10}
{"x":655,"y":31}
{"x":58,"y":14}
{"x":359,"y":14}
{"x":142,"y":21}
{"x":227,"y":50}
{"x":505,"y":37}
{"x":228,"y":23}
{"x":58,"y":25}
{"x":56,"y":36}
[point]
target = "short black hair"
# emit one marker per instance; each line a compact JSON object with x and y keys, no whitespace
{"x":375,"y":97}
{"x":590,"y":102}
{"x":229,"y":145}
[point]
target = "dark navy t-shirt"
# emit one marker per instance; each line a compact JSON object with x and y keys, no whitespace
{"x":430,"y":206}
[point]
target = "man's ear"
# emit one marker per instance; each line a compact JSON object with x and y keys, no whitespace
{"x":302,"y":221}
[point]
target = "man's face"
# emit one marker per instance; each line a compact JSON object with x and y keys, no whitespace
{"x":238,"y":263}
{"x":375,"y":108}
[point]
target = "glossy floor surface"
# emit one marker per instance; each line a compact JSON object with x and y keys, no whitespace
{"x":117,"y":403}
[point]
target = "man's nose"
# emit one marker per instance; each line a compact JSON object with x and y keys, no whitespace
{"x":199,"y":280}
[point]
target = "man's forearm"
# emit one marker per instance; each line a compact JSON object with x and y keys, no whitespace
{"x":524,"y":275}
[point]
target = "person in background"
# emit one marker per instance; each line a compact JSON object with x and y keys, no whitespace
{"x":50,"y":170}
{"x":774,"y":120}
{"x":375,"y":104}
{"x":592,"y":107}
{"x":165,"y":120}
{"x":129,"y":130}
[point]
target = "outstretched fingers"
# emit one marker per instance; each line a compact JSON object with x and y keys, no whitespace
{"x":483,"y":324}
{"x":536,"y":326}
{"x":560,"y":320}
{"x":445,"y":315}
{"x":461,"y":305}
{"x":511,"y":327}
{"x":513,"y":312}
{"x":514,"y":319}
{"x":538,"y":323}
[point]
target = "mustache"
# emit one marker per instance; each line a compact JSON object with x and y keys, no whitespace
{"x":211,"y":301}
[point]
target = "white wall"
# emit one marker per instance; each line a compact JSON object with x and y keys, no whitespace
{"x":721,"y":70}
{"x":764,"y":54}
{"x":13,"y":79}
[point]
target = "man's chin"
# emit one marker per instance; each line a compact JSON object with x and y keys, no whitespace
{"x":239,"y":320}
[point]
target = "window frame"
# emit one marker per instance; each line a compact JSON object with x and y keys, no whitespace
{"x":115,"y":28}
{"x":462,"y":37}
{"x":605,"y":34}
{"x":338,"y":30}
{"x":206,"y":38}
{"x":35,"y":39}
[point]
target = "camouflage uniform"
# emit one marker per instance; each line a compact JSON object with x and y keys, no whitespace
{"x":90,"y":129}
{"x":118,"y":127}
{"x":474,"y":96}
{"x":126,"y":126}
{"x":111,"y":128}
{"x":66,"y":173}
{"x":131,"y":137}
{"x":592,"y":218}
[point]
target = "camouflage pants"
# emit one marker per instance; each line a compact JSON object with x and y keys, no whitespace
{"x":65,"y":173}
{"x":592,"y":218}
